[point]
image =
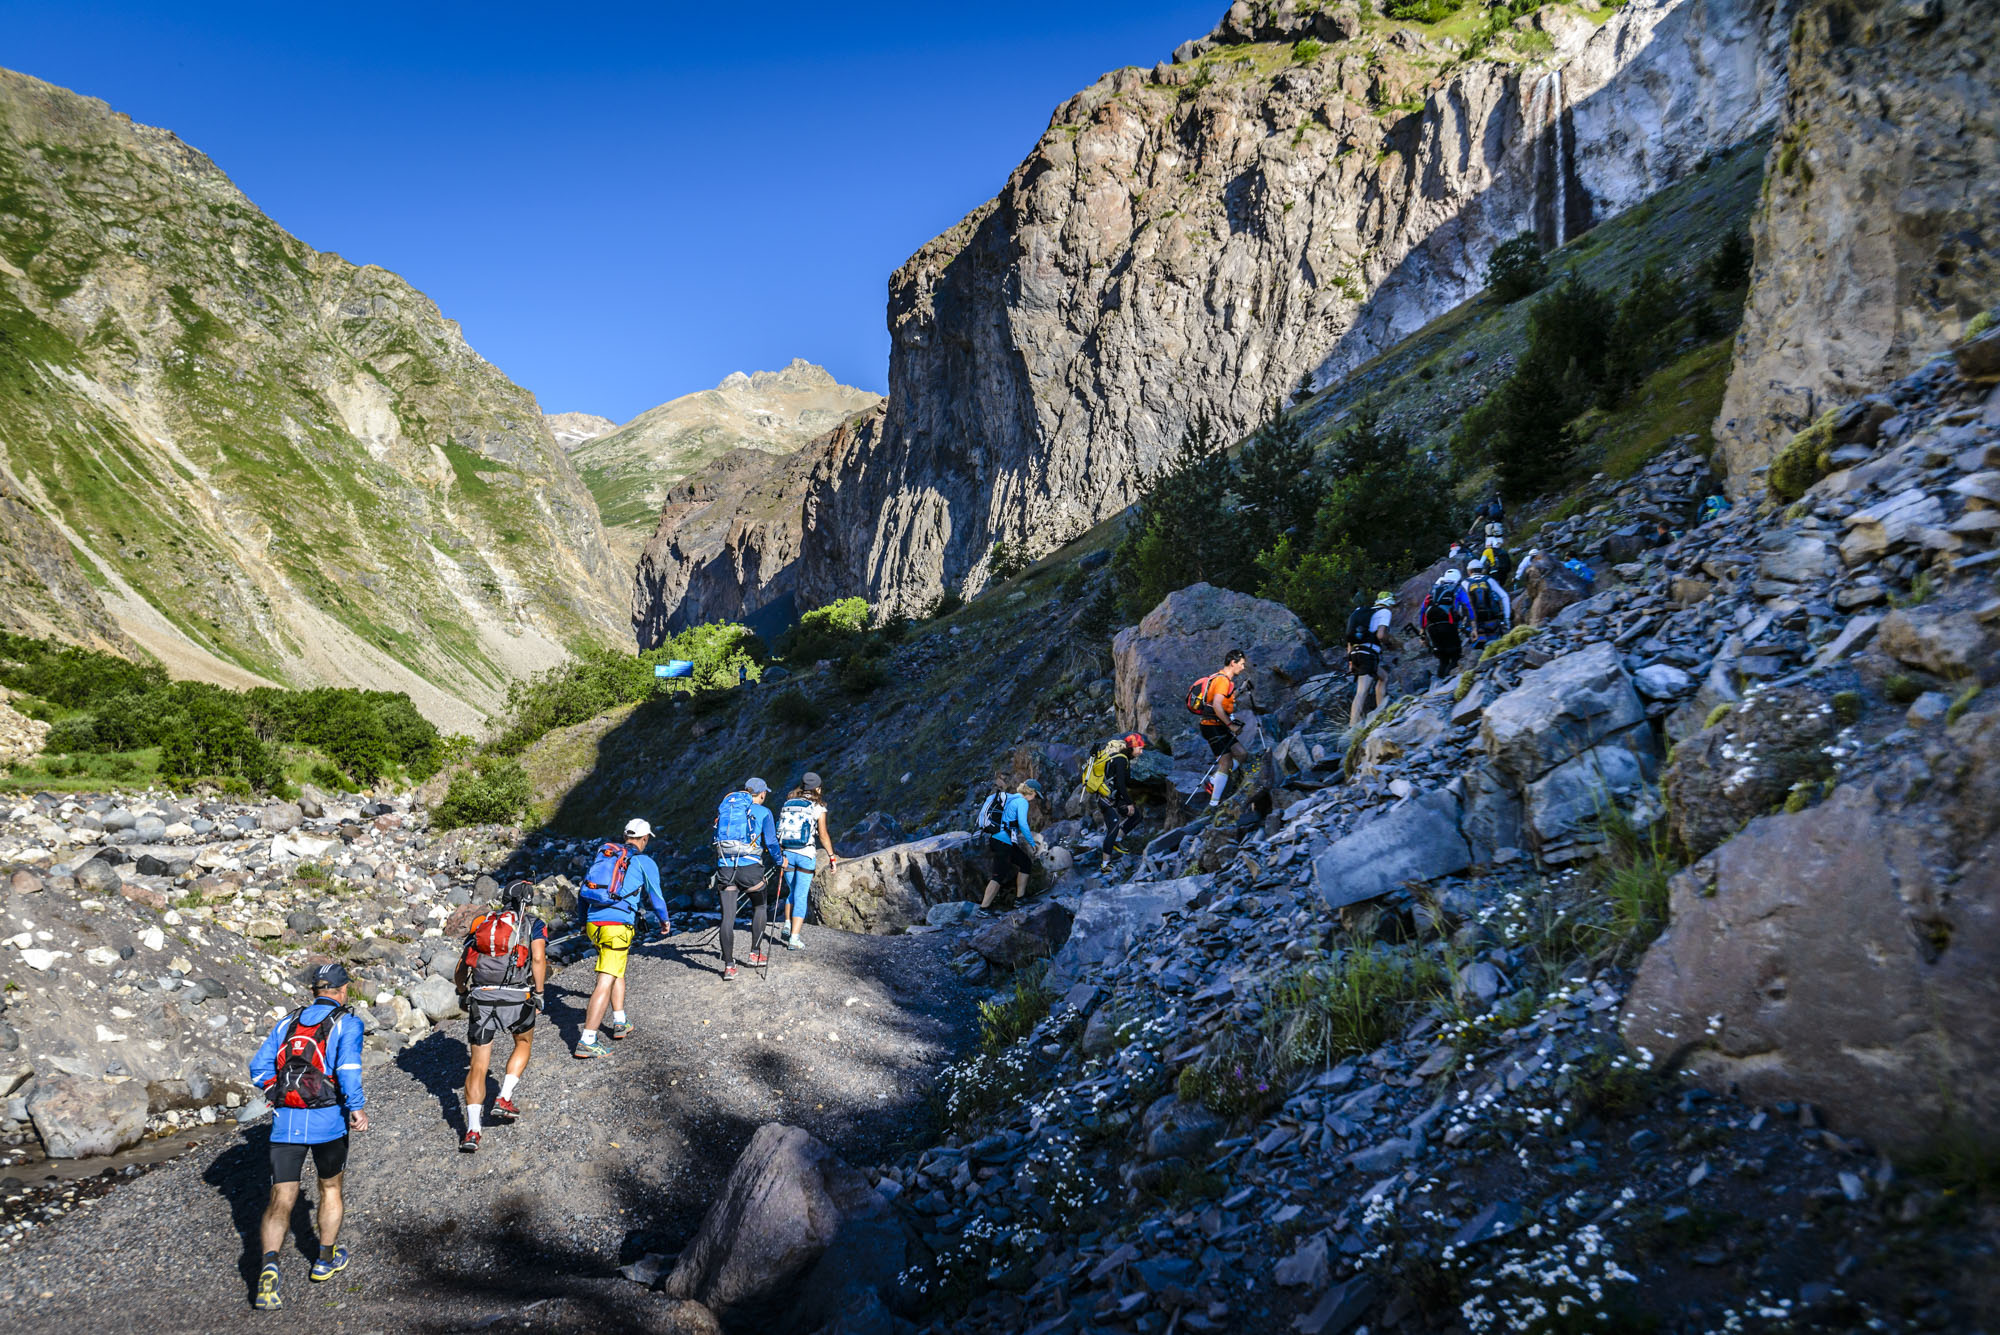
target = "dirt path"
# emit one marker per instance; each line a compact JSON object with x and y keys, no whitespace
{"x":614,"y":1156}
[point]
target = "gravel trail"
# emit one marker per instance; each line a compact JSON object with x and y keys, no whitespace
{"x":611,"y":1157}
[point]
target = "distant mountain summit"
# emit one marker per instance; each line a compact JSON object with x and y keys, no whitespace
{"x":573,"y":429}
{"x":631,"y":469}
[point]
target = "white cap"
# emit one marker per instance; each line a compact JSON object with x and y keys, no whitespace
{"x":638,"y":829}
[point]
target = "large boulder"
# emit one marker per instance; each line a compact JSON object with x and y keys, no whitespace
{"x":1187,"y":636}
{"x":1415,"y":729}
{"x":1561,"y":710}
{"x":888,"y":891}
{"x":437,"y":999}
{"x":872,"y":833}
{"x":793,"y":1233}
{"x":1823,"y":956}
{"x":1013,"y":939}
{"x":1108,"y":920}
{"x":1563,"y":805}
{"x":1547,"y":587}
{"x":1946,"y":640}
{"x":1746,"y":763}
{"x":78,"y":1118}
{"x":1416,"y":840}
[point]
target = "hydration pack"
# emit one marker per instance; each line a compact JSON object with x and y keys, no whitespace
{"x":1095,"y":780}
{"x":1197,"y":698}
{"x":798,"y":823}
{"x":992,"y":811}
{"x":735,"y":836}
{"x":305,"y":1078}
{"x":1485,"y":602}
{"x":498,"y":952}
{"x":1357,"y":628}
{"x":1441,"y":606}
{"x":604,"y":883}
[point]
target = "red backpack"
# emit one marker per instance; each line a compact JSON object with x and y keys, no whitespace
{"x":497,"y":950}
{"x":304,"y":1079}
{"x":1197,"y":698}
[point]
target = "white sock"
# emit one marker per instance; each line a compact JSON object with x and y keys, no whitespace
{"x":1221,"y":782}
{"x":507,"y":1083}
{"x":618,"y":1017}
{"x":590,"y":1035}
{"x":472,"y":1111}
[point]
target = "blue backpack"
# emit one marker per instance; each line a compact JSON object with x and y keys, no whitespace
{"x":604,"y":883}
{"x":735,"y":836}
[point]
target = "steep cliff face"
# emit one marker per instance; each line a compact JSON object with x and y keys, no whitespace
{"x":1201,"y":236}
{"x":630,"y":469}
{"x":1880,"y":236}
{"x":259,"y":461}
{"x":727,"y":542}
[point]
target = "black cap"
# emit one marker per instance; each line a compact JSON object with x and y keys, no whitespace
{"x":329,"y":976}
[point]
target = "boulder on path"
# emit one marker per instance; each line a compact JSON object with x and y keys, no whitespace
{"x":887,"y":891}
{"x":437,"y":999}
{"x":794,"y":1231}
{"x":77,"y":1118}
{"x":1186,"y":637}
{"x":1547,"y":587}
{"x":1413,"y":730}
{"x":1417,"y":840}
{"x":1108,"y":919}
{"x":1827,"y":960}
{"x":1559,"y":711}
{"x":1946,"y":641}
{"x":1746,"y":763}
{"x":1033,"y":933}
{"x":1565,"y":803}
{"x":97,"y":877}
{"x":280,"y":817}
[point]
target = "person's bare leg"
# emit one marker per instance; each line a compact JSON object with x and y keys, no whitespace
{"x":331,"y":1209}
{"x":600,"y":1001}
{"x":475,"y":1075}
{"x":1020,"y":886}
{"x":277,"y":1214}
{"x":1355,"y":710}
{"x":992,"y":889}
{"x":517,"y":1060}
{"x":618,"y":994}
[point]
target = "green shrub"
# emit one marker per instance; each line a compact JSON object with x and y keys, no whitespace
{"x":492,"y":790}
{"x":1323,"y":1012}
{"x":1004,"y":1022}
{"x":832,"y":631}
{"x":1522,"y":428}
{"x":1847,"y":707}
{"x":1306,"y":50}
{"x":1962,"y":703}
{"x":1233,"y":1077}
{"x":1422,"y":11}
{"x":1513,"y":639}
{"x":596,"y":678}
{"x":1642,"y":332}
{"x":1804,"y":460}
{"x":859,"y":674}
{"x":1005,"y":562}
{"x":1182,"y":530}
{"x":943,"y":605}
{"x":795,"y":709}
{"x":1516,"y":269}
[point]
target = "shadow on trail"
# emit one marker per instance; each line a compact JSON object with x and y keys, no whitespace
{"x":438,"y":1063}
{"x":241,"y":1175}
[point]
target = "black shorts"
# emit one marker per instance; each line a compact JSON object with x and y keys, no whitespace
{"x":490,"y":1017}
{"x":750,"y":878}
{"x":1008,"y":859}
{"x":288,"y":1162}
{"x":1364,"y":662}
{"x":1219,"y":738}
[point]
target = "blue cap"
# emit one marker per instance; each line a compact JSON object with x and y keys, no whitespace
{"x":329,"y":976}
{"x":756,"y":786}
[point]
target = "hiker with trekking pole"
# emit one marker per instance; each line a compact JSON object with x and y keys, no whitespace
{"x":745,"y":837}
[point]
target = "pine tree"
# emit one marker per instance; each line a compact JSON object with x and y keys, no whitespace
{"x":1182,"y":531}
{"x":1274,"y":481}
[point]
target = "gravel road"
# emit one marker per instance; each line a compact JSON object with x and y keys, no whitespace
{"x":611,"y":1158}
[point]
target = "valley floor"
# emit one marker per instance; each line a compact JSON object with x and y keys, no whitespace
{"x":611,"y":1158}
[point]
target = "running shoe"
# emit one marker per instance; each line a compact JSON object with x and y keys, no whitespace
{"x":504,"y":1111}
{"x":619,"y":1030}
{"x":469,"y":1142}
{"x":729,"y":973}
{"x":758,"y":959}
{"x":328,"y":1266}
{"x":793,"y":942}
{"x":268,"y":1298}
{"x":594,"y":1048}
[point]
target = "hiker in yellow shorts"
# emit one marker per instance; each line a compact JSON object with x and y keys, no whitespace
{"x":610,"y":897}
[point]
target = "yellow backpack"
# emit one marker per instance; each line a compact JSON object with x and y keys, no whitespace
{"x":1093,"y":772}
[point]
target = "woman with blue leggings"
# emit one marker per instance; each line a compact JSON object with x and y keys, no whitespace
{"x":802,"y":835}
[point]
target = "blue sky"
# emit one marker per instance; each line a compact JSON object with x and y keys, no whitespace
{"x":619,"y":203}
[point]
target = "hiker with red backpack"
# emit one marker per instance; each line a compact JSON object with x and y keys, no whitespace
{"x":609,"y":899}
{"x":501,"y":974}
{"x":1446,"y":619}
{"x":1212,"y":699}
{"x":309,"y":1067}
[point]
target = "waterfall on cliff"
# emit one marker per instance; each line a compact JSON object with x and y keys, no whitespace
{"x":1552,"y":157}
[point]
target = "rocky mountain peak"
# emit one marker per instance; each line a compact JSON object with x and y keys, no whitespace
{"x":573,"y":429}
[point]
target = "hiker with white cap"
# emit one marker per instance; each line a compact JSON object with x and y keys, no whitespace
{"x":745,"y":836}
{"x":610,"y":898}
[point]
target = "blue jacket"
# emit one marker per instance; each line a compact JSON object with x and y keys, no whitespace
{"x":1013,"y":818}
{"x":763,"y":832}
{"x":626,"y":910}
{"x":314,"y":1126}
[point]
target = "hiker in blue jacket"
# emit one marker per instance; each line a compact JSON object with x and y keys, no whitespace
{"x":611,"y":923}
{"x":309,"y":1067}
{"x":1012,"y":846}
{"x":745,"y":837}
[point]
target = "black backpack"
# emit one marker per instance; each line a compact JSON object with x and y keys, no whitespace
{"x":1357,"y":627}
{"x":1485,"y":602}
{"x":1441,"y":608}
